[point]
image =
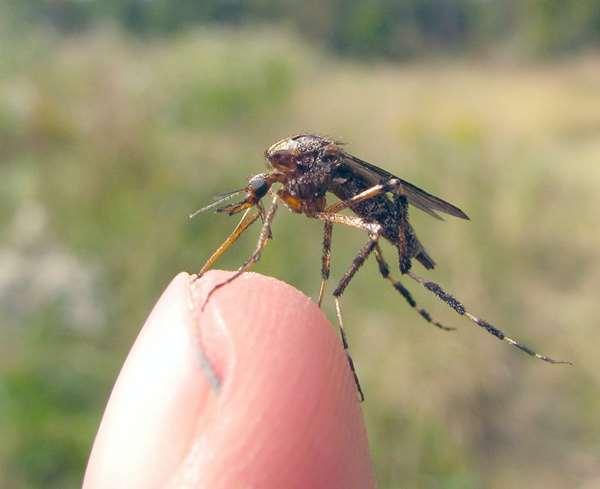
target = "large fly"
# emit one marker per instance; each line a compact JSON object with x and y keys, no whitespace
{"x":306,"y":167}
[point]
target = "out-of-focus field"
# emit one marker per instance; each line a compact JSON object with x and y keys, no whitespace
{"x":106,"y":145}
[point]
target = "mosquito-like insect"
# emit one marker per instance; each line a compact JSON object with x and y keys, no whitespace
{"x":308,"y":166}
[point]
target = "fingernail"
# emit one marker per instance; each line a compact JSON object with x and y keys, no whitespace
{"x":197,"y":298}
{"x":211,"y":333}
{"x":155,"y":402}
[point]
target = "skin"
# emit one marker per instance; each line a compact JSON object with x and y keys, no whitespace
{"x":286,"y":414}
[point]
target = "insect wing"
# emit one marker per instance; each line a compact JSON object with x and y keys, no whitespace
{"x":416,"y":196}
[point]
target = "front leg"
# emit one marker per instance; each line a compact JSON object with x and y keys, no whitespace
{"x":245,"y":223}
{"x":265,"y":235}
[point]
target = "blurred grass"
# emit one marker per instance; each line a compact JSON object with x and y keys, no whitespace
{"x":107,"y":143}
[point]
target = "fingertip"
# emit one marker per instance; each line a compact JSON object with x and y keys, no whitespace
{"x":148,"y":422}
{"x":287,"y":413}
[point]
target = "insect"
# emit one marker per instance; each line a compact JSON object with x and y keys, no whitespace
{"x":307,"y":167}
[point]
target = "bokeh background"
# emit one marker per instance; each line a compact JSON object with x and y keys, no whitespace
{"x":118,"y":118}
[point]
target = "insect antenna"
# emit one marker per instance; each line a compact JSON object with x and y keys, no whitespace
{"x":218,"y":200}
{"x":460,"y":309}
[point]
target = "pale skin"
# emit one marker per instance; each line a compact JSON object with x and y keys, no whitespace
{"x":285,"y":414}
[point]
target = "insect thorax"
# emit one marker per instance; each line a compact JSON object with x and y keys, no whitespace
{"x":313,"y":177}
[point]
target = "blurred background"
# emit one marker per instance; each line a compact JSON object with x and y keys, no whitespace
{"x":119,"y":118}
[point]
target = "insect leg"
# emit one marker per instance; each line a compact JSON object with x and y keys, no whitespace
{"x":338,"y":311}
{"x":246,"y":221}
{"x":263,"y":239}
{"x":392,"y":185}
{"x":374,"y":231}
{"x":352,"y":221}
{"x":358,"y":262}
{"x":404,"y":233}
{"x":384,"y":269}
{"x":460,"y":309}
{"x":372,"y":228}
{"x":326,"y":259}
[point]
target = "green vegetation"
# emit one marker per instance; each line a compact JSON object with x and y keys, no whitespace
{"x":373,"y":28}
{"x":107,"y":142}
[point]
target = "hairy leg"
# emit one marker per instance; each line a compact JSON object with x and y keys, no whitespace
{"x":384,"y":269}
{"x":326,"y":259}
{"x":460,"y":309}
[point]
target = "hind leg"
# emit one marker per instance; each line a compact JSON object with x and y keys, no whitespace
{"x":384,"y":269}
{"x":460,"y":309}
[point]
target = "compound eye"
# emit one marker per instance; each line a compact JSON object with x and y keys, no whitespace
{"x":259,"y":186}
{"x":283,"y":160}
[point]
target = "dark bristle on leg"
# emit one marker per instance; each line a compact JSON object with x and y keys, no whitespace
{"x":326,"y":259}
{"x":460,"y":309}
{"x":384,"y":269}
{"x":358,"y":262}
{"x":338,"y":311}
{"x":401,"y":208}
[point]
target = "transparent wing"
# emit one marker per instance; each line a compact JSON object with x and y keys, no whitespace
{"x":416,"y":196}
